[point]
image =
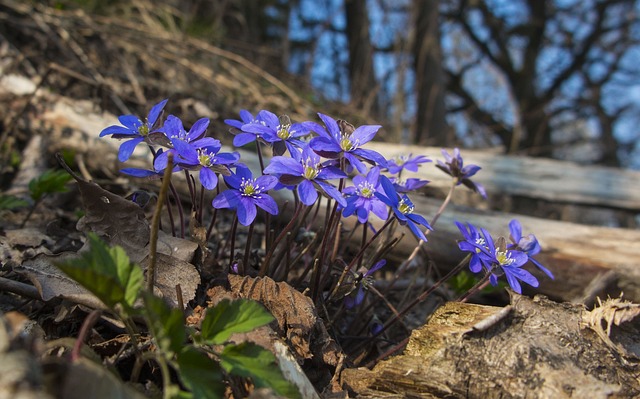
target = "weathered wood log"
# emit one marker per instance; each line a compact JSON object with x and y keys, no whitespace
{"x":576,"y":254}
{"x":532,"y":349}
{"x":548,"y":179}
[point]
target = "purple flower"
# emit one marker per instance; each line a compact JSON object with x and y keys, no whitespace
{"x":175,"y":132}
{"x":508,"y":262}
{"x":279,"y":132}
{"x":475,"y":243}
{"x":361,"y":197}
{"x":245,"y":193}
{"x":134,"y":129}
{"x":362,"y":281}
{"x":454,"y":166}
{"x":341,"y":138}
{"x":529,"y":245}
{"x":398,"y":164}
{"x":207,"y":158}
{"x":402,"y":208}
{"x":408,"y":185}
{"x":241,"y":136}
{"x":306,"y":172}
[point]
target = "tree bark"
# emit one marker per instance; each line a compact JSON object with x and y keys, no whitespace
{"x":361,"y":69}
{"x":430,"y":124}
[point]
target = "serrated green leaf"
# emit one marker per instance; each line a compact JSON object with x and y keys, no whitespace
{"x":51,"y":181}
{"x":229,"y":317}
{"x":200,"y":374}
{"x":107,"y":273}
{"x":166,"y":324}
{"x":10,"y":202}
{"x":253,"y":361}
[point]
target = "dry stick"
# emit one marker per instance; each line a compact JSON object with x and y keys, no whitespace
{"x":180,"y":298}
{"x":155,"y":224}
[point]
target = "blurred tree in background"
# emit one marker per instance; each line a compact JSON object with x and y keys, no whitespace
{"x":555,"y":78}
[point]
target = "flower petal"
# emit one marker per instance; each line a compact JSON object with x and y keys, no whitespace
{"x":126,"y":148}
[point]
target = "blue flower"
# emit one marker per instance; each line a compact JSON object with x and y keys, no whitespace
{"x":341,"y":138}
{"x":402,"y":208}
{"x":362,"y":281}
{"x":408,"y":185}
{"x":134,"y":129}
{"x":279,"y":132}
{"x":529,"y":245}
{"x":306,"y":172}
{"x":454,"y":166}
{"x":208,"y":158}
{"x":475,"y":243}
{"x":398,"y":164}
{"x":361,"y":197}
{"x":241,"y":136}
{"x":175,"y":132}
{"x":508,"y":262}
{"x":245,"y":193}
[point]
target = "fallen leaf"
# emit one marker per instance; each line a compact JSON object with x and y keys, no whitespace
{"x":295,"y":314}
{"x":171,"y":271}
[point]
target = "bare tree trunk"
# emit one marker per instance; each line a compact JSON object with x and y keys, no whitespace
{"x":361,"y":72}
{"x":430,"y":125}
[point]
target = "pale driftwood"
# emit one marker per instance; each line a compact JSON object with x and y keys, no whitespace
{"x":576,"y":254}
{"x":532,"y":349}
{"x":547,"y":179}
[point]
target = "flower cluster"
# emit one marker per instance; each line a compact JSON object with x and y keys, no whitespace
{"x":498,"y":258}
{"x":314,"y":160}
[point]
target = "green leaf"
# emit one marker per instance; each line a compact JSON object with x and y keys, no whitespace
{"x":107,"y":273}
{"x":229,"y":317}
{"x":200,"y":374}
{"x":166,"y":324}
{"x":250,"y":360}
{"x":51,"y":181}
{"x":10,"y":202}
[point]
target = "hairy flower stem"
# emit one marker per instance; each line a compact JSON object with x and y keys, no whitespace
{"x":316,"y":275}
{"x":422,"y":243}
{"x":267,"y":218}
{"x":484,"y":281}
{"x":201,"y":206}
{"x":213,"y":217}
{"x":176,"y":198}
{"x":155,"y":225}
{"x":232,"y":250}
{"x":267,"y":260}
{"x":348,"y":268}
{"x":426,"y":293}
{"x":247,"y":248}
{"x":88,"y":323}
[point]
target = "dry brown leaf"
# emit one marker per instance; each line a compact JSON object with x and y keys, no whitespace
{"x":51,"y":282}
{"x":296,"y":316}
{"x":612,"y":312}
{"x":115,"y":219}
{"x":171,"y":271}
{"x":20,"y":244}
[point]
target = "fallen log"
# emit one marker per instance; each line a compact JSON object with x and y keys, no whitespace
{"x":547,"y":179}
{"x":533,"y":348}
